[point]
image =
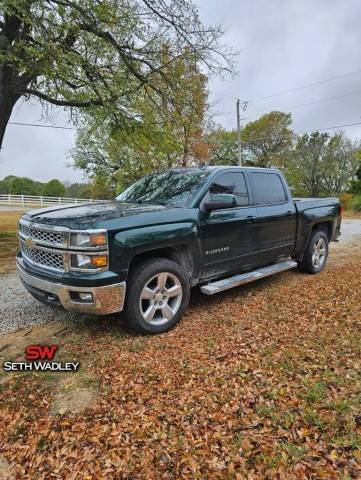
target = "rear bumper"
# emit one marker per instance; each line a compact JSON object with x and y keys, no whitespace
{"x":105,"y":299}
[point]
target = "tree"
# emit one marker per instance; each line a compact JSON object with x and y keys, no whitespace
{"x":355,"y":184}
{"x":93,"y":54}
{"x":222,"y":147}
{"x":54,"y":188}
{"x":20,"y":186}
{"x":118,"y":157}
{"x":166,"y":136}
{"x":341,"y":163}
{"x":5,"y":184}
{"x":184,"y":120}
{"x":310,"y":154}
{"x":103,"y":187}
{"x":78,"y":190}
{"x":323,"y":164}
{"x":268,"y":141}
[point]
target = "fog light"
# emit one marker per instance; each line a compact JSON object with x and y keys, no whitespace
{"x":86,"y":297}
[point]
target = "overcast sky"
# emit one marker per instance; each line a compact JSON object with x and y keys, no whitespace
{"x":283,"y":45}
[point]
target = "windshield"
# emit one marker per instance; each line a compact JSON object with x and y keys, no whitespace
{"x":173,"y":187}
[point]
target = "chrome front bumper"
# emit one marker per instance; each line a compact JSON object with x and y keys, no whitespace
{"x":107,"y":299}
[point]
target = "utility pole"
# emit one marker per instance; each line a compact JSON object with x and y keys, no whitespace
{"x":239,"y":142}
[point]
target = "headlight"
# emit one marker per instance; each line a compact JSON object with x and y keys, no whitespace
{"x":96,"y":239}
{"x":91,"y":262}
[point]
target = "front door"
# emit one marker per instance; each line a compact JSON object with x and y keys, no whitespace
{"x":227,"y":235}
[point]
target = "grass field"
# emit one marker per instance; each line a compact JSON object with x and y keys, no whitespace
{"x":8,"y":240}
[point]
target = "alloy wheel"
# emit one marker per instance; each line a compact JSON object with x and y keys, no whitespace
{"x":161,"y":298}
{"x":319,"y":253}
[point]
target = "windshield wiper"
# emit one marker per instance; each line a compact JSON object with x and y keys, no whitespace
{"x":142,"y":202}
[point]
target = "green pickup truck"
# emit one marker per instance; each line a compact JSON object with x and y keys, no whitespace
{"x":216,"y":227}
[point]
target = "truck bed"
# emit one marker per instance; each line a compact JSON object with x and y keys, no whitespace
{"x":303,"y":204}
{"x":310,"y":210}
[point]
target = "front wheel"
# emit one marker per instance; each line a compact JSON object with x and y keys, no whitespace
{"x":316,"y":254}
{"x":157,"y":296}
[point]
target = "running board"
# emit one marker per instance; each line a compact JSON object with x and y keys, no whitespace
{"x":236,"y":280}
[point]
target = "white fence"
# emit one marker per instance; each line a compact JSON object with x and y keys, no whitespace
{"x":29,"y":200}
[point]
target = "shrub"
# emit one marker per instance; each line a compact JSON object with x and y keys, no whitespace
{"x":355,"y":187}
{"x":346,"y":200}
{"x":356,"y":203}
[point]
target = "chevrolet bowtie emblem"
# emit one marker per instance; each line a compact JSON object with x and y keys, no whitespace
{"x":29,"y":242}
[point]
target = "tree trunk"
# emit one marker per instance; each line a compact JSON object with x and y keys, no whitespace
{"x":6,"y":107}
{"x":8,"y":98}
{"x":11,"y":83}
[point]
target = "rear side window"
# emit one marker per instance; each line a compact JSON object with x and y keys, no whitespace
{"x":233,"y":183}
{"x":267,"y":188}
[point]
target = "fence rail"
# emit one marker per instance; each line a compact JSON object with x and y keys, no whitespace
{"x":32,"y":200}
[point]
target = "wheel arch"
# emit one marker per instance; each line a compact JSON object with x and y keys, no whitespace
{"x":181,"y":254}
{"x":325,"y":226}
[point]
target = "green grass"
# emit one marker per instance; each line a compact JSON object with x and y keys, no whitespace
{"x":295,"y":453}
{"x":355,"y":203}
{"x":351,"y":441}
{"x":8,"y":240}
{"x":315,"y":393}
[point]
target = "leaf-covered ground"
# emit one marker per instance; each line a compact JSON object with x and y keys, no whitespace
{"x":259,"y":382}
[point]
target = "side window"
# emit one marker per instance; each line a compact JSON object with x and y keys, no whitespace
{"x":233,"y":183}
{"x":267,"y":188}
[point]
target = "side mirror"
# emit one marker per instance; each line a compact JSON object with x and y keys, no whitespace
{"x":217,"y":201}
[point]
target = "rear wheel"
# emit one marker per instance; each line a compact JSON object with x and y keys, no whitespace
{"x":315,"y":257}
{"x":157,"y":296}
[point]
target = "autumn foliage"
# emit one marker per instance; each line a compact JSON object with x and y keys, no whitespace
{"x":260,"y":382}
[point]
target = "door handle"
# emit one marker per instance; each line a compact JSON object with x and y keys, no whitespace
{"x":289,"y":212}
{"x":250,"y":217}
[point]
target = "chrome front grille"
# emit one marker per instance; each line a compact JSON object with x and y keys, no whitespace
{"x":44,"y":236}
{"x":42,"y":257}
{"x":49,"y":246}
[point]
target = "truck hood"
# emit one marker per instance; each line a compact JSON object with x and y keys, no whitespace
{"x":89,"y":215}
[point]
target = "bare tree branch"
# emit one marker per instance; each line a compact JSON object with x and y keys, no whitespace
{"x":64,"y":103}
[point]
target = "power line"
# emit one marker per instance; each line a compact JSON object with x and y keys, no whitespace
{"x":322,"y":100}
{"x":258,"y":138}
{"x":308,"y":85}
{"x":265,"y":137}
{"x":41,"y":125}
{"x":329,"y":99}
{"x":335,"y":126}
{"x":301,"y":87}
{"x":245,"y":103}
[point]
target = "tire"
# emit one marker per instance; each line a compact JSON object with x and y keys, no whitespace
{"x":316,"y":254}
{"x":157,"y":296}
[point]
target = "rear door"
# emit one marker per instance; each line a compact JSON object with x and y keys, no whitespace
{"x":275,"y":228}
{"x":227,"y":237}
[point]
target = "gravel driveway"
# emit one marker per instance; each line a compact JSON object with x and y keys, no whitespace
{"x":351,"y":230}
{"x":19,"y":310}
